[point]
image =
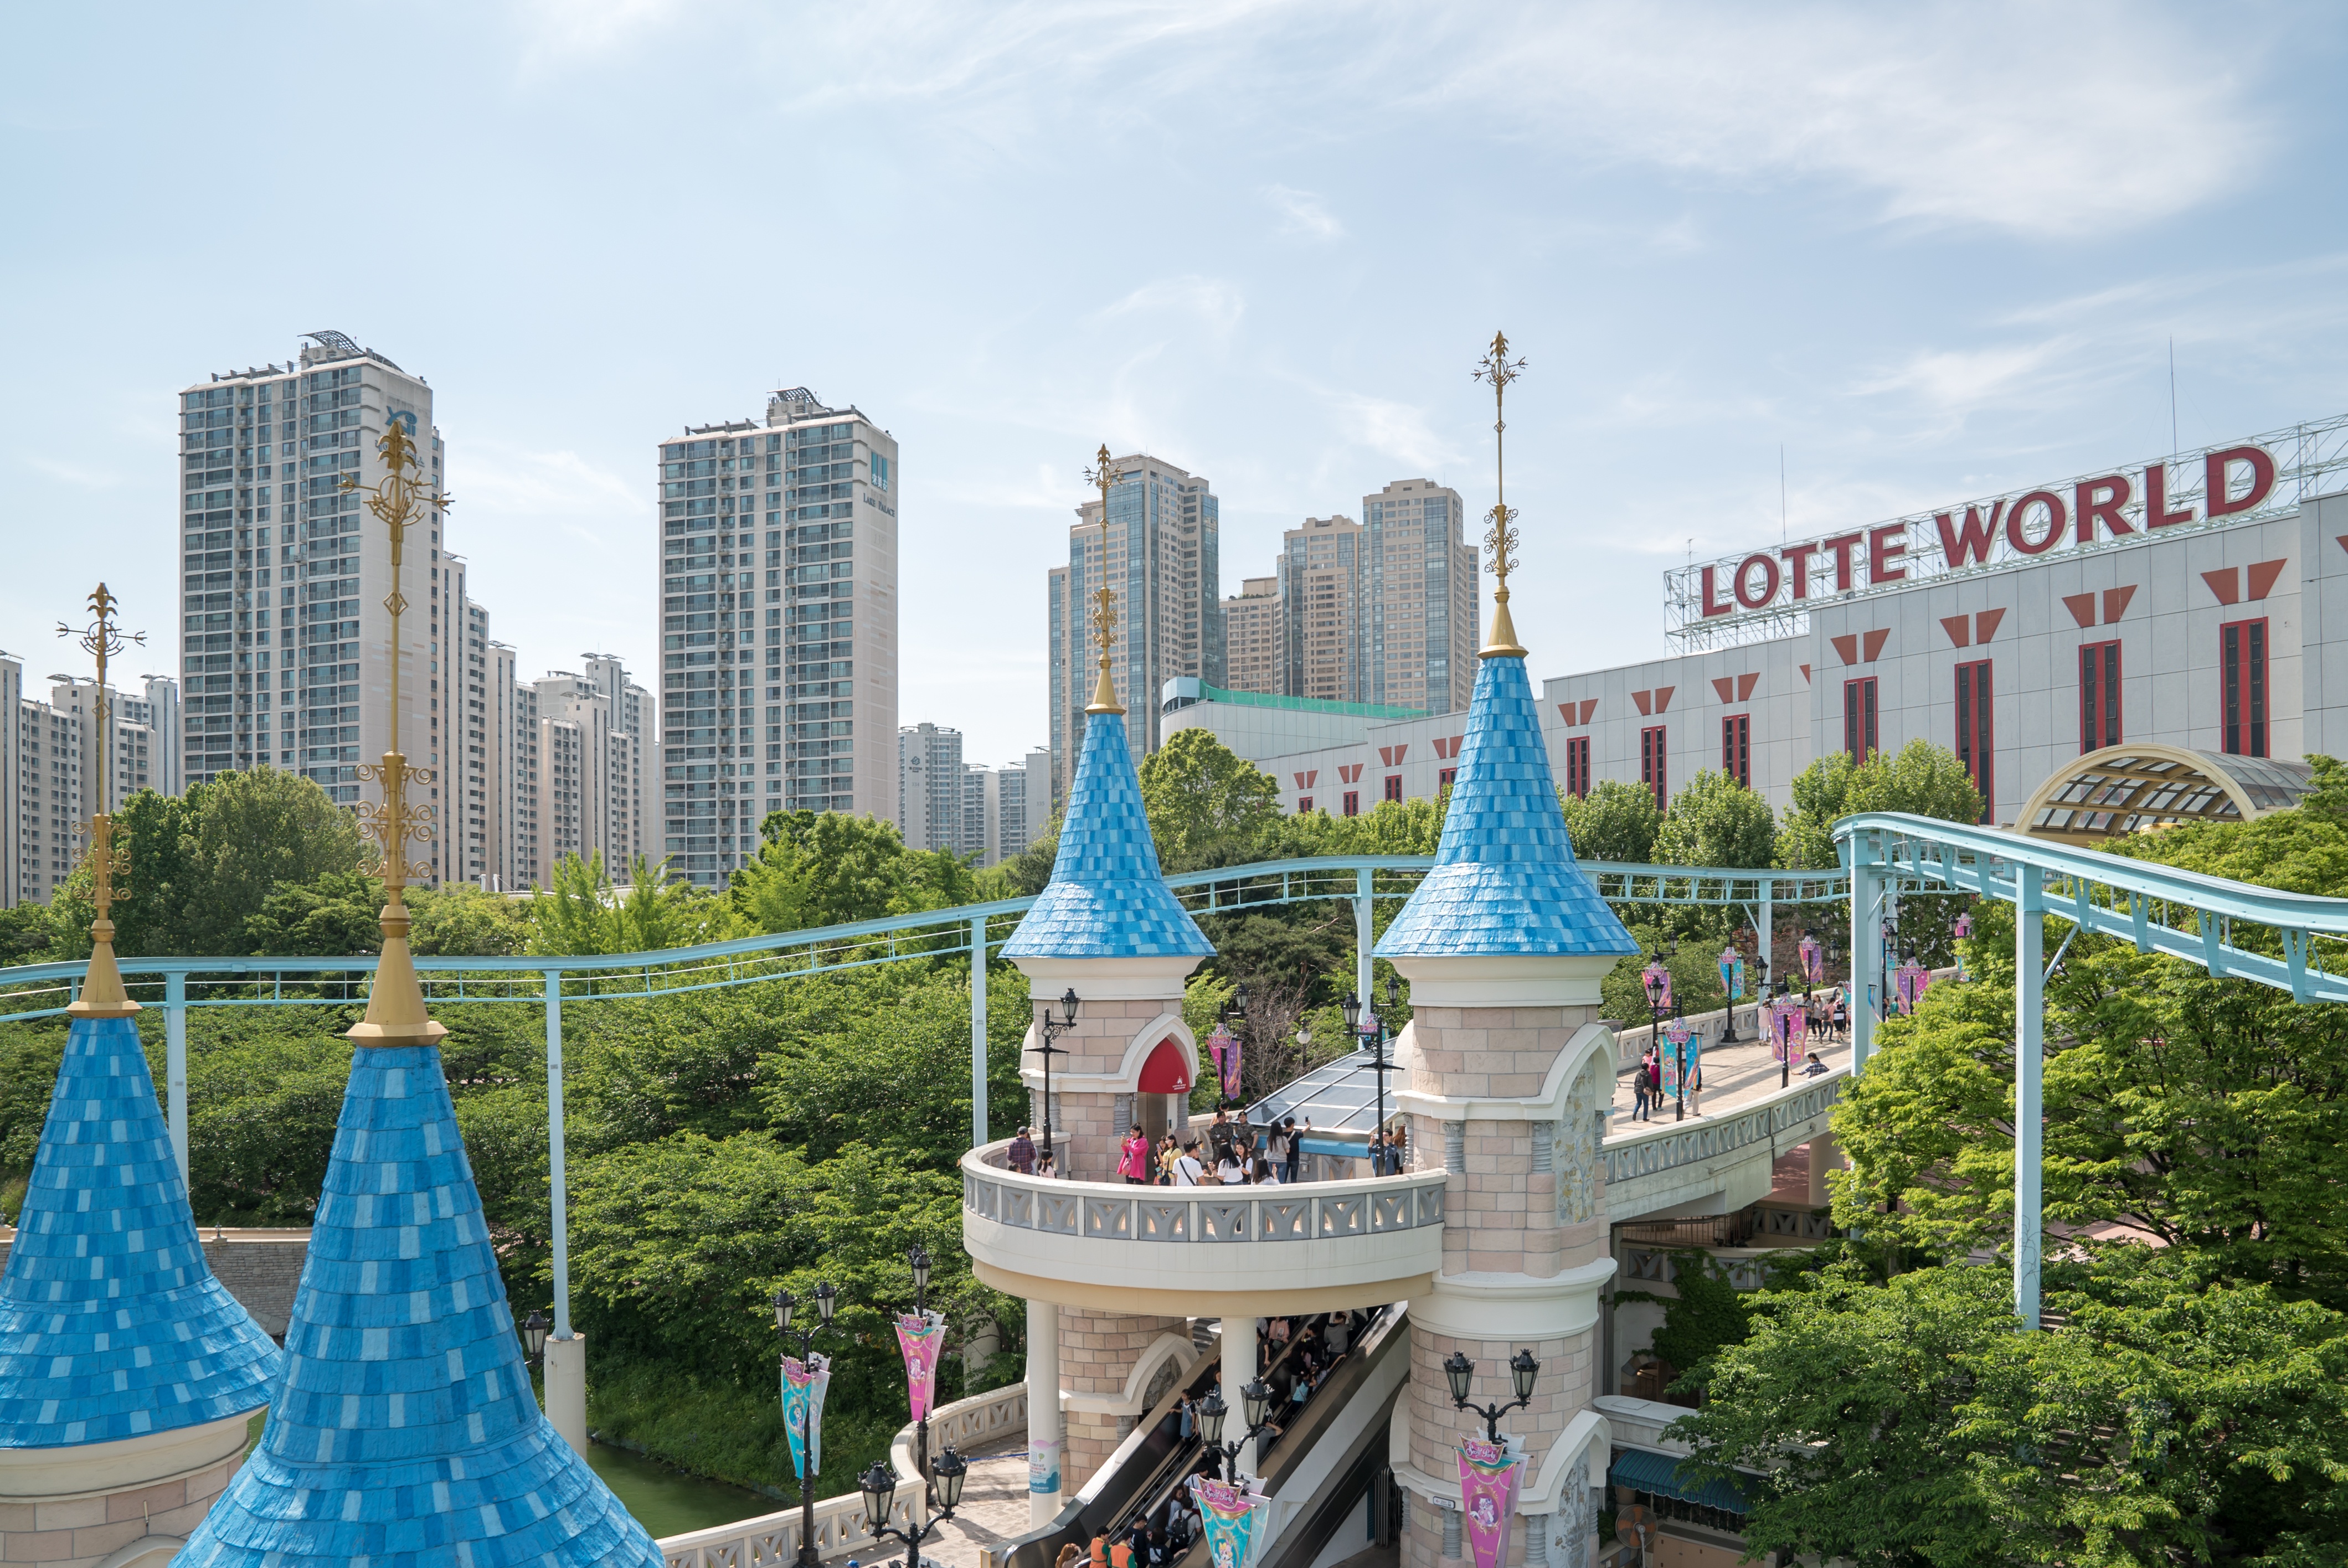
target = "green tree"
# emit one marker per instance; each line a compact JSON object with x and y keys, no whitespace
{"x":25,"y":934}
{"x":2174,"y":1420}
{"x":459,"y":920}
{"x":828,"y":868}
{"x":1389,"y":827}
{"x":330,"y":916}
{"x":201,"y":865}
{"x":582,"y":912}
{"x":1615,"y":821}
{"x":1715,"y":821}
{"x":1208,"y":807}
{"x":1920,"y":778}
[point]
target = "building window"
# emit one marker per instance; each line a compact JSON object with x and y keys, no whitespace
{"x":1444,"y":779}
{"x":2242,"y":684}
{"x":1976,"y":743}
{"x":1577,"y":766}
{"x":1394,"y":787}
{"x":1650,"y":763}
{"x":2099,"y":695}
{"x":1736,"y":748}
{"x":1352,"y":803}
{"x":1858,"y":718}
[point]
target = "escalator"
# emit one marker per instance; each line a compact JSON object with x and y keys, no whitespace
{"x":1315,"y":1471}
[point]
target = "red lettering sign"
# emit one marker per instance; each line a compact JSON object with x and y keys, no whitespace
{"x":1971,"y":543}
{"x":2217,"y":464}
{"x":2016,"y":533}
{"x":1744,"y":579}
{"x":2100,"y":501}
{"x":1885,"y":546}
{"x":1797,"y":567}
{"x":2156,"y":513}
{"x":1840,"y":547}
{"x":1712,"y":605}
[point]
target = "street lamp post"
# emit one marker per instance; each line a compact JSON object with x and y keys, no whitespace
{"x":1255,"y":1404}
{"x":827,"y":1301}
{"x":1051,"y":1028}
{"x":879,"y":1489}
{"x":917,"y":1258}
{"x":533,"y":1337}
{"x":1459,"y":1372}
{"x":1372,"y":1032}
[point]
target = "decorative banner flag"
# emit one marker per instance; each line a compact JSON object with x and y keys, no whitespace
{"x":1224,"y":1051}
{"x":1488,"y":1495}
{"x":1228,"y":1512}
{"x":1812,"y":960}
{"x":803,"y":1390}
{"x":1658,"y":982}
{"x":1911,"y":980}
{"x":1676,"y":1034}
{"x":921,"y":1338}
{"x":1736,"y":979}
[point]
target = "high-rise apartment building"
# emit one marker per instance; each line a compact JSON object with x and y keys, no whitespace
{"x":1418,"y":618}
{"x":284,"y":636}
{"x":49,"y":771}
{"x":779,"y":627}
{"x":157,"y":706}
{"x":513,"y":726}
{"x":929,"y":787}
{"x":1255,"y":652}
{"x":1163,"y":558}
{"x":1321,"y":609}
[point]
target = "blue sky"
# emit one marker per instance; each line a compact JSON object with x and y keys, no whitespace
{"x":1934,"y":252}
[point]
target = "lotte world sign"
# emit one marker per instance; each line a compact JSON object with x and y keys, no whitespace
{"x":1769,"y":592}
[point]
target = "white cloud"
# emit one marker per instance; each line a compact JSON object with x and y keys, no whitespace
{"x":74,"y":473}
{"x":1303,"y":212}
{"x":492,"y":477}
{"x":1396,"y":430}
{"x":559,"y":31}
{"x":1215,"y":303}
{"x":1955,"y":380}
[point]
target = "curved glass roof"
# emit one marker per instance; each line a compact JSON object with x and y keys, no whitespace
{"x":2124,"y":790}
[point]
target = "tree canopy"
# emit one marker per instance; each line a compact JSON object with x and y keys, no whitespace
{"x":1920,"y":777}
{"x":827,"y":868}
{"x":1615,"y":821}
{"x":1208,"y":805}
{"x":1715,"y":821}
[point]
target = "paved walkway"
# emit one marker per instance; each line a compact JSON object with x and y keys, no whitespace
{"x":1734,"y":1076}
{"x":993,"y":1509}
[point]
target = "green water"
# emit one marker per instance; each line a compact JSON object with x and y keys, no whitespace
{"x":668,"y":1502}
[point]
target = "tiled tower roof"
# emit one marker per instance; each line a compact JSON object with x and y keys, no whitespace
{"x":1107,"y":899}
{"x":1505,"y":883}
{"x":404,"y":1434}
{"x":112,"y":1324}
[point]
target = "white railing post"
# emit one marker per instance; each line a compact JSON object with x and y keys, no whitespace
{"x":1362,"y":934}
{"x":175,"y":1065}
{"x":2029,"y":1064}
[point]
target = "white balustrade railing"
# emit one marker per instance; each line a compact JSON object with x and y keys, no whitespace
{"x":772,"y":1540}
{"x":1308,"y":1211}
{"x":1659,"y":1147}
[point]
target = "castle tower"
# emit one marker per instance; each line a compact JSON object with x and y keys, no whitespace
{"x":128,"y":1373}
{"x":1107,"y":930}
{"x":1509,"y":1078}
{"x":405,"y":1433}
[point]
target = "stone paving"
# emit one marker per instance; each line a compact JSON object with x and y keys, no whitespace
{"x":993,"y":1509}
{"x":1734,"y":1076}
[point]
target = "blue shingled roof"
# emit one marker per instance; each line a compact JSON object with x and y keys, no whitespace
{"x":112,"y":1324}
{"x":405,"y":1433}
{"x":1107,"y":899}
{"x":1504,"y":881}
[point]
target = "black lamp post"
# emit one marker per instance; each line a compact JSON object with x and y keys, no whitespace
{"x":1373,"y":1040}
{"x":1234,"y":1017}
{"x":917,"y":1258}
{"x":1051,"y":1028}
{"x":1255,"y":1403}
{"x":533,"y":1337}
{"x":879,"y":1489}
{"x":1459,"y":1371}
{"x":827,"y":1300}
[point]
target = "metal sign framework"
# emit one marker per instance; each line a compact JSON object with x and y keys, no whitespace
{"x":2306,"y":457}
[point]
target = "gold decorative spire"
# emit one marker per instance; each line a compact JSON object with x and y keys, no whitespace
{"x":394,"y":1014}
{"x":1104,"y":599}
{"x":102,"y":995}
{"x":1500,"y":534}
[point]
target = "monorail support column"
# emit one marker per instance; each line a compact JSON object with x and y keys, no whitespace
{"x":1865,"y":945}
{"x":1043,"y":1428}
{"x":175,"y":1065}
{"x":1362,"y":924}
{"x":2029,"y":1068}
{"x":978,"y":1032}
{"x":566,"y":1352}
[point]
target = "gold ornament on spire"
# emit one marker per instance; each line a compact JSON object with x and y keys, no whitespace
{"x":1501,"y":533}
{"x":1104,"y":600}
{"x":394,"y":1014}
{"x":102,"y":995}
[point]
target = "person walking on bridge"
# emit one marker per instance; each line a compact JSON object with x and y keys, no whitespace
{"x":1021,"y":1153}
{"x":1134,"y":1158}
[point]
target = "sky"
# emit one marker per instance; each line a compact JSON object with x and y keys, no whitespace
{"x":1916,"y":255}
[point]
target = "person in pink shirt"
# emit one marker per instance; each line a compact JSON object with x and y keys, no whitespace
{"x":1134,"y":1161}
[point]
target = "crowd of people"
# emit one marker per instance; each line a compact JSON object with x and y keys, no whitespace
{"x":1232,"y":1153}
{"x":1826,"y":1018}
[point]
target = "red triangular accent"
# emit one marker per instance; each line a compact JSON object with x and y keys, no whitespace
{"x":1400,"y":751}
{"x":2116,"y":602}
{"x":1588,"y":706}
{"x":1565,"y":711}
{"x":2262,"y":576}
{"x":1959,"y":628}
{"x":1726,"y":686}
{"x":1642,"y":700}
{"x":1806,"y":674}
{"x":1664,"y":697}
{"x":1985,"y":624}
{"x":2227,"y":584}
{"x":1872,"y":644}
{"x":1847,"y":645}
{"x":2082,"y":607}
{"x":1745,"y":682}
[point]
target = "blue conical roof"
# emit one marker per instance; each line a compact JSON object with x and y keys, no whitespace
{"x":1505,"y":882}
{"x":1106,"y":899}
{"x":406,"y":1434}
{"x":112,"y":1324}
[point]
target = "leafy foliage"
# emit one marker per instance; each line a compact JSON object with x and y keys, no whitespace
{"x":1208,"y":807}
{"x":583,"y":912}
{"x":1920,"y":777}
{"x":1615,"y":821}
{"x":827,"y":868}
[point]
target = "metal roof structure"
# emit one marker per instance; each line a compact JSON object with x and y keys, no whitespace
{"x":2123,"y":790}
{"x":1337,"y":1097}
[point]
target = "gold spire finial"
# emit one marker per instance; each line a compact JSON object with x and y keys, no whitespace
{"x":1104,"y":600}
{"x":102,"y":994}
{"x":1501,"y":534}
{"x":394,"y":1014}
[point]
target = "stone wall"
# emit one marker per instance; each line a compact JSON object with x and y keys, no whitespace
{"x":84,"y":1531}
{"x":1097,"y":1353}
{"x":260,"y":1267}
{"x":1086,"y":1131}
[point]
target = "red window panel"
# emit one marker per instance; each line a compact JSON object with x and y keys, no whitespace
{"x":1858,"y":738}
{"x":1444,"y":780}
{"x":1651,"y":764}
{"x":2243,"y":686}
{"x":1736,"y":748}
{"x":2099,"y":695}
{"x":1304,"y":806}
{"x":1352,"y":803}
{"x":1394,"y":787}
{"x":1976,"y":735}
{"x":1577,"y":766}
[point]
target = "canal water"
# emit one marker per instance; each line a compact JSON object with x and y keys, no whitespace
{"x":667,"y":1502}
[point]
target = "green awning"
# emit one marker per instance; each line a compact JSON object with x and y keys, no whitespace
{"x":1642,"y":1471}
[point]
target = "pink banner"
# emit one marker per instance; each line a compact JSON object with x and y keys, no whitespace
{"x":1488,"y":1495}
{"x":1223,"y":1049}
{"x":1228,"y":1514}
{"x":922,"y":1338}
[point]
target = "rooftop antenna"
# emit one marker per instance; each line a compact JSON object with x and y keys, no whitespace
{"x":2172,"y":392}
{"x":1781,"y":492}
